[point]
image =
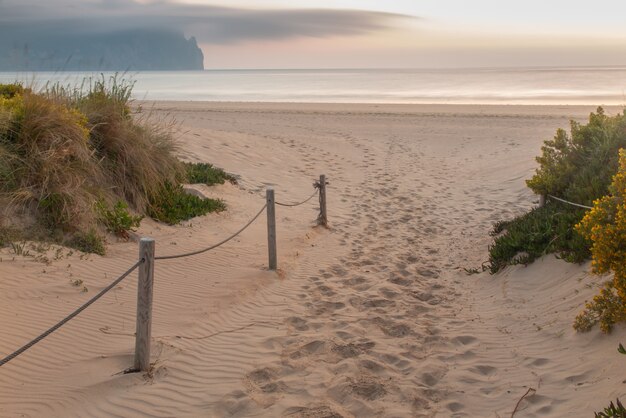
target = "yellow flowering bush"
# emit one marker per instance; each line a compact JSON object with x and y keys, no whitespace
{"x":605,"y":227}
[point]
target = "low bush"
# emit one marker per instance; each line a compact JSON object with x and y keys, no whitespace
{"x":173,"y":205}
{"x":578,"y":167}
{"x":197,"y":173}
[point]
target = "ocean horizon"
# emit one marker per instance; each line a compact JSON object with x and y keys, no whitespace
{"x":527,"y":85}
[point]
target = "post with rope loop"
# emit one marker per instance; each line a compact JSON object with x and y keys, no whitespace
{"x":144,"y":305}
{"x":271,"y":228}
{"x":323,"y":218}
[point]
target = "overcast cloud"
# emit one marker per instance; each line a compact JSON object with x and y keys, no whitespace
{"x":209,"y":24}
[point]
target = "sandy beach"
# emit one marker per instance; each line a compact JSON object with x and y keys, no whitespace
{"x":375,"y":316}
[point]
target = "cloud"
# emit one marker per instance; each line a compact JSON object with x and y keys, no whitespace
{"x":210,"y":24}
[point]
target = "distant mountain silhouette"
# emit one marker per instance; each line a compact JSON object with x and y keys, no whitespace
{"x":142,"y":50}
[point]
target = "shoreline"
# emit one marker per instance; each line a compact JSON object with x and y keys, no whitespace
{"x":541,"y":111}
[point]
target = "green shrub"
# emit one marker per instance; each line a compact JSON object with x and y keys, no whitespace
{"x":118,"y":220}
{"x":172,"y":205}
{"x":577,"y":167}
{"x":204,"y":173}
{"x":87,"y":242}
{"x":541,"y":231}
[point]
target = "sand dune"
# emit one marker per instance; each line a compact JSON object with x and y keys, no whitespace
{"x":373,"y":317}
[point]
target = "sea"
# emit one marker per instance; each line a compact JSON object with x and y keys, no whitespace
{"x":554,"y":85}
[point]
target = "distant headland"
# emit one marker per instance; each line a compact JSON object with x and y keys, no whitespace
{"x":138,"y":50}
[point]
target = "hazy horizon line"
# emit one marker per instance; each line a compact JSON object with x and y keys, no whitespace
{"x":503,"y":67}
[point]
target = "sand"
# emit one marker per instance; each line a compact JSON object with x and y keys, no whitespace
{"x":372,"y":317}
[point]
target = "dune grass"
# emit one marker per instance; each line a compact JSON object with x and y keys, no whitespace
{"x":67,"y":152}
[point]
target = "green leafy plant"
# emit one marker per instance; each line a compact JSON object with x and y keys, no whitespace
{"x":205,"y":173}
{"x":118,"y":220}
{"x":578,"y":166}
{"x":172,"y":205}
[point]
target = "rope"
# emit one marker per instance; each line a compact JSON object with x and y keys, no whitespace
{"x":70,"y":316}
{"x":300,"y":203}
{"x":169,"y":257}
{"x":569,"y":203}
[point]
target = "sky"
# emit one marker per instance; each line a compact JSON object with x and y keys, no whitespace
{"x":359,"y":33}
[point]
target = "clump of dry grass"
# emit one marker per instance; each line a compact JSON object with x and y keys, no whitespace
{"x":138,"y":154}
{"x":64,"y":149}
{"x":47,"y":161}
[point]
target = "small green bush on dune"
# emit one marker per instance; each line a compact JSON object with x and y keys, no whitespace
{"x":577,"y":167}
{"x":118,"y":220}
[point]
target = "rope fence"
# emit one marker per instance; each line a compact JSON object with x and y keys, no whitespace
{"x":543,"y":199}
{"x":219,"y":244}
{"x":568,"y":202}
{"x":145,"y":266}
{"x":291,"y":205}
{"x":70,"y":316}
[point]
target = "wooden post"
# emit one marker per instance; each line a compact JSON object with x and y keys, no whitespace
{"x":271,"y":228}
{"x":144,"y":305}
{"x":323,"y":213}
{"x":542,"y":200}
